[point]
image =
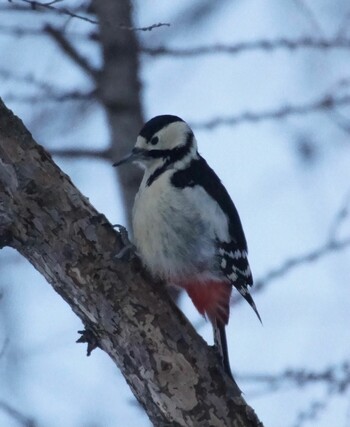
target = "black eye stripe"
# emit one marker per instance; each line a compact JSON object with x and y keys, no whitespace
{"x":170,"y":156}
{"x":154,"y":140}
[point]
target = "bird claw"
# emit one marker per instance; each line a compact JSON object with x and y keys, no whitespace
{"x":128,"y":251}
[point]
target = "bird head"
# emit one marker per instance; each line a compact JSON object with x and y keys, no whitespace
{"x":164,"y":138}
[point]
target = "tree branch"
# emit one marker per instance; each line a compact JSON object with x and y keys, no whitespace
{"x":326,"y":102}
{"x":119,"y":89}
{"x":291,"y":263}
{"x":70,"y":51}
{"x":342,"y":214}
{"x":149,"y":28}
{"x":76,"y":153}
{"x":52,"y":96}
{"x":309,"y":14}
{"x":23,"y":420}
{"x":243,"y":47}
{"x":172,"y":372}
{"x":336,"y":378}
{"x":21,"y":31}
{"x":36,"y":5}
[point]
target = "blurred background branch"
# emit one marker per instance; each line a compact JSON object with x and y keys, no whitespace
{"x":324,"y":103}
{"x":246,"y":47}
{"x":16,"y":415}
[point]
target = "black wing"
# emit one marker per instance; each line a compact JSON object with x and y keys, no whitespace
{"x":234,"y":254}
{"x":200,"y":173}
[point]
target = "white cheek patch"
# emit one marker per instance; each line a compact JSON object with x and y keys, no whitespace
{"x":173,"y":135}
{"x":141,"y":142}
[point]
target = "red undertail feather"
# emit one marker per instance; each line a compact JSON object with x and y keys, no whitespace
{"x":212,"y":299}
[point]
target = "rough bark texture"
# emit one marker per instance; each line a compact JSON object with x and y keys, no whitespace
{"x":119,"y":88}
{"x":170,"y":369}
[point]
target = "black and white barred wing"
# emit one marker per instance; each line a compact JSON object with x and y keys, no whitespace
{"x":235,"y":266}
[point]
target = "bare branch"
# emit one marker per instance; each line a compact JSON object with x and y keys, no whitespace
{"x":76,"y":153}
{"x":327,"y":102}
{"x":336,"y":378}
{"x":47,"y":91}
{"x":35,"y":5}
{"x":11,"y":6}
{"x":289,"y":265}
{"x":71,"y":51}
{"x":51,"y":96}
{"x":330,"y":246}
{"x":4,"y":344}
{"x":25,"y":78}
{"x":16,"y":415}
{"x":344,"y":25}
{"x":340,"y":217}
{"x":310,"y":15}
{"x":150,"y":28}
{"x":20,"y":31}
{"x":312,"y":412}
{"x":341,"y":121}
{"x":242,"y":47}
{"x":120,"y":90}
{"x":292,"y":263}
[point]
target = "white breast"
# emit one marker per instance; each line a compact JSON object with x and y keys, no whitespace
{"x":175,"y":230}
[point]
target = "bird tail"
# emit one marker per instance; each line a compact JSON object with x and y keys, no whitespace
{"x":221,"y":344}
{"x":243,"y":290}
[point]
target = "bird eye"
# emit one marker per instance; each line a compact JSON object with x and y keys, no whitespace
{"x":154,"y":140}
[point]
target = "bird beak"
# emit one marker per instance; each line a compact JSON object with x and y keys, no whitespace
{"x":135,"y":155}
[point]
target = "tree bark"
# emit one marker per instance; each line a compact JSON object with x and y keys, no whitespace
{"x":119,"y":88}
{"x":170,"y":369}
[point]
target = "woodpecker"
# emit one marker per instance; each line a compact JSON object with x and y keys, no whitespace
{"x":187,"y":230}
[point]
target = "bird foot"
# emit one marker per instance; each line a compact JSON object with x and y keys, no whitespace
{"x":128,"y":252}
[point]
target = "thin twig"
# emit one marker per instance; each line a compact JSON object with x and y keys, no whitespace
{"x":76,"y":153}
{"x":336,"y":378}
{"x":35,"y":5}
{"x":4,"y":347}
{"x":340,"y":217}
{"x":149,"y":28}
{"x":306,"y":258}
{"x":21,"y":31}
{"x":344,"y":25}
{"x":27,"y":78}
{"x":52,"y":96}
{"x":326,"y":102}
{"x":18,"y":416}
{"x":241,"y":47}
{"x":306,"y":10}
{"x":311,"y":413}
